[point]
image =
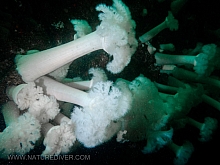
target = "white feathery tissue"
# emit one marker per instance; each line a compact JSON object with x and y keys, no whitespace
{"x":92,"y":122}
{"x":29,"y":94}
{"x":45,"y":108}
{"x":59,"y":139}
{"x":20,"y":137}
{"x":121,"y":43}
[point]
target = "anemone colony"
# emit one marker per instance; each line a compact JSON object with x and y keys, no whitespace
{"x":131,"y":110}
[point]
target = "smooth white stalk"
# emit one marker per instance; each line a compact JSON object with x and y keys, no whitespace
{"x":10,"y":112}
{"x":194,"y":123}
{"x":33,"y":66}
{"x":180,"y":73}
{"x":166,"y":59}
{"x":63,"y":92}
{"x":153,"y":32}
{"x":166,"y":88}
{"x":170,"y":22}
{"x":82,"y":85}
{"x":211,"y":101}
{"x":61,"y":118}
{"x":45,"y":128}
{"x":174,"y":147}
{"x":175,"y":82}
